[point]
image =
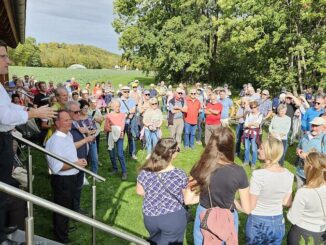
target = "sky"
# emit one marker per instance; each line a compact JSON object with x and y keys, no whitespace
{"x":72,"y":21}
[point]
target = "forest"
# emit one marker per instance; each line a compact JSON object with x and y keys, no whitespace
{"x":62,"y":55}
{"x":269,"y":43}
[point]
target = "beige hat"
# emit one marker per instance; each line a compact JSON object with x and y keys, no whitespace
{"x":265,"y":91}
{"x":125,"y":88}
{"x":318,"y":121}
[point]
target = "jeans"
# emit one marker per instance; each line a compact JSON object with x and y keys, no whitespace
{"x":239,"y":133}
{"x":198,"y":237}
{"x":119,"y":147}
{"x":201,"y":119}
{"x":151,"y":140}
{"x":164,"y":102}
{"x":265,"y":229}
{"x":285,"y":148}
{"x":131,"y":140}
{"x":93,"y":156}
{"x":252,"y":142}
{"x":189,"y":134}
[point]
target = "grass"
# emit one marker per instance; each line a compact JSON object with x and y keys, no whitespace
{"x":60,"y":75}
{"x":117,"y":202}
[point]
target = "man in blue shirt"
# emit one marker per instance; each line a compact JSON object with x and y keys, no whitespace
{"x":313,"y":140}
{"x":227,"y":104}
{"x":313,"y":112}
{"x":128,"y":106}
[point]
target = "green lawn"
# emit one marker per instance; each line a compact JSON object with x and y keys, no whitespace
{"x":59,"y":75}
{"x":117,"y":203}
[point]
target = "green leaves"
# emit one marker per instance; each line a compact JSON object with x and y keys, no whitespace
{"x":226,"y":41}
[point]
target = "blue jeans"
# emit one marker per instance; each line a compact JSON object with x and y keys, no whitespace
{"x":131,"y":140}
{"x":151,"y":140}
{"x":201,"y":119}
{"x":265,"y":229}
{"x":252,"y":142}
{"x":164,"y":102}
{"x":198,"y":237}
{"x":189,"y":134}
{"x":93,"y":156}
{"x":285,"y":148}
{"x":239,"y":133}
{"x":119,"y":147}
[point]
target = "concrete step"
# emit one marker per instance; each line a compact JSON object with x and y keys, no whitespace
{"x":19,"y":236}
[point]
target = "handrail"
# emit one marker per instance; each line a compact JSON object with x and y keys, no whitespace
{"x":69,"y":213}
{"x":41,"y":149}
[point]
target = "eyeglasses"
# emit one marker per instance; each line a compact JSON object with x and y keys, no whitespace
{"x":154,"y":104}
{"x":76,"y":112}
{"x":180,"y":93}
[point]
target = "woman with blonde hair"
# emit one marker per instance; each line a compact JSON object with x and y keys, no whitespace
{"x":218,"y":179}
{"x":265,"y":224}
{"x":152,"y":120}
{"x":162,"y":186}
{"x":308,"y":211}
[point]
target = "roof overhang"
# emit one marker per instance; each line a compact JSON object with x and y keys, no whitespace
{"x":12,"y":21}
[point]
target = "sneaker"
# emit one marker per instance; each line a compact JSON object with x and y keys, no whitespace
{"x":113,"y":172}
{"x":134,"y":157}
{"x":199,"y":142}
{"x":148,"y":156}
{"x":124,"y":176}
{"x":253,"y":167}
{"x":245,"y":163}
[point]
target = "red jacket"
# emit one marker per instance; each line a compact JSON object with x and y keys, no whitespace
{"x":191,"y":116}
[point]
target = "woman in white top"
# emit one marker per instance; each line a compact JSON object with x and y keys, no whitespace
{"x":152,"y":120}
{"x":308,"y":211}
{"x":270,"y":189}
{"x":251,"y":133}
{"x":280,"y":127}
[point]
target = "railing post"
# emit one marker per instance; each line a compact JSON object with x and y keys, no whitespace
{"x":29,"y":234}
{"x":29,"y":220}
{"x":94,"y":210}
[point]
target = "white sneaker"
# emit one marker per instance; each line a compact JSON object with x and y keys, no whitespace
{"x":134,"y":157}
{"x":148,"y":156}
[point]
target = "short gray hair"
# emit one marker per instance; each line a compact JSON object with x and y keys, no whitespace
{"x":281,"y":107}
{"x":58,"y":89}
{"x":70,"y":104}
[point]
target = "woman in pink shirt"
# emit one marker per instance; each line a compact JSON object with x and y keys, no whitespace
{"x":114,"y":126}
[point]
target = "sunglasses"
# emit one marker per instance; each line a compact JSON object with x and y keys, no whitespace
{"x":180,"y":93}
{"x":154,"y":104}
{"x":253,"y":107}
{"x":193,"y":93}
{"x":147,"y":94}
{"x":317,"y":103}
{"x":126,"y":92}
{"x":76,"y":112}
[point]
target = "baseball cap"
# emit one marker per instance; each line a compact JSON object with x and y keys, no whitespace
{"x":318,"y":121}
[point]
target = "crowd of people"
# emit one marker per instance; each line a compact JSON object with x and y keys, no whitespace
{"x":70,"y":118}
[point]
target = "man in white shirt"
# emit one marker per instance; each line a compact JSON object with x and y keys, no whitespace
{"x":64,"y":177}
{"x":10,"y":116}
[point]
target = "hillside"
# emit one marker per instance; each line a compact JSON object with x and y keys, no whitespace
{"x":62,"y":55}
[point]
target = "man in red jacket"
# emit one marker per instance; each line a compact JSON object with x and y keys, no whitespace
{"x":213,"y":116}
{"x":191,"y":117}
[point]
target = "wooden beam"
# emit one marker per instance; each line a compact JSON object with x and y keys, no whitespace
{"x":11,"y":17}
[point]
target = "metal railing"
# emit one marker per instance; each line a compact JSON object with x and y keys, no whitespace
{"x":30,"y":219}
{"x":69,"y":213}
